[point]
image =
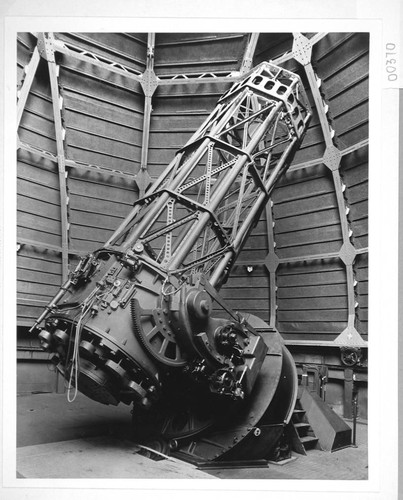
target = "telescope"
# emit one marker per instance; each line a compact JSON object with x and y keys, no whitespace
{"x":140,"y":321}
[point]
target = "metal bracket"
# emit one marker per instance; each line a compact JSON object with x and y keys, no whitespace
{"x":350,"y":337}
{"x":143,"y":180}
{"x":149,"y":82}
{"x":271,"y":262}
{"x":347,"y":253}
{"x":332,"y":157}
{"x":302,"y":49}
{"x":45,"y":47}
{"x":249,"y":53}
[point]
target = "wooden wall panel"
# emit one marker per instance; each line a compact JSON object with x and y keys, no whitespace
{"x":312,"y":300}
{"x":342,"y":61}
{"x":198,"y":52}
{"x":177,"y":113}
{"x":37,"y":125}
{"x":256,"y":246}
{"x":103,"y":121}
{"x":248,"y":287}
{"x":38,"y":220}
{"x":108,"y":88}
{"x":98,"y":203}
{"x":248,"y":292}
{"x":272,"y":45}
{"x":38,"y":208}
{"x":40,"y":105}
{"x":361,"y":275}
{"x":306,"y":216}
{"x":337,"y":51}
{"x":128,"y":49}
{"x":25,"y":47}
{"x":355,"y":176}
{"x":38,"y":279}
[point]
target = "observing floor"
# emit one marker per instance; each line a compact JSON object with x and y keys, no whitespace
{"x":59,"y":432}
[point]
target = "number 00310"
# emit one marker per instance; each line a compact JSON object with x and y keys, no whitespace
{"x":391,"y":62}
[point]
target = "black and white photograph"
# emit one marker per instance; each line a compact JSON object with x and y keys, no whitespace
{"x":199,"y":293}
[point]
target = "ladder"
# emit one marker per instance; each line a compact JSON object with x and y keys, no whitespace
{"x":303,"y":437}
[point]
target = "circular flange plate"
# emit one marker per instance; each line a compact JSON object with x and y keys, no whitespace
{"x":156,"y":336}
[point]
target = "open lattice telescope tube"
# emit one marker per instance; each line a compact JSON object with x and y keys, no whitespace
{"x":140,"y":320}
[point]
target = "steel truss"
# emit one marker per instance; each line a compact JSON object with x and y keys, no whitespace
{"x":200,"y":211}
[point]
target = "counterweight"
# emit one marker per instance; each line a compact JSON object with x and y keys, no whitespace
{"x":140,"y":320}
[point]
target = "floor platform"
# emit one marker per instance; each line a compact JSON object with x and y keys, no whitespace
{"x":58,"y":439}
{"x":103,"y":457}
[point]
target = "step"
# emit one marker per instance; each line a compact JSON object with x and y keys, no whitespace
{"x":308,"y":439}
{"x":301,"y":424}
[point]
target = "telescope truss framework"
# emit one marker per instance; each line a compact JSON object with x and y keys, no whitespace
{"x":197,"y":215}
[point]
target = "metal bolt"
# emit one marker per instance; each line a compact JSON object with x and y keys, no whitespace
{"x":205,"y":306}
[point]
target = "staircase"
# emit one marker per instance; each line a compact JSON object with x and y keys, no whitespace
{"x":314,"y":425}
{"x":303,"y":437}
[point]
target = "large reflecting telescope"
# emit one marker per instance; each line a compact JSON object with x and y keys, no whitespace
{"x":141,"y":321}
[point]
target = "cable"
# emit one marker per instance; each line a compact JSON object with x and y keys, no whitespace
{"x":76,"y":357}
{"x":174,"y":290}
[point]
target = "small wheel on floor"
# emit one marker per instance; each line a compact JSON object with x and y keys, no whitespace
{"x":155,"y":449}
